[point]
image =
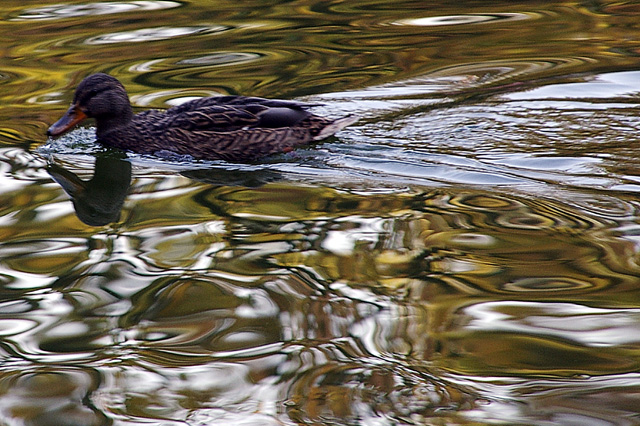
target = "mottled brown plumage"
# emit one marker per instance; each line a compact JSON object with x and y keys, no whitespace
{"x":235,"y":128}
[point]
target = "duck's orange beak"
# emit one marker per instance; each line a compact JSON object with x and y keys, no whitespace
{"x":72,"y":117}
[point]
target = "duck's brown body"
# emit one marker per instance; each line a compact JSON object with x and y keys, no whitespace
{"x":235,"y":128}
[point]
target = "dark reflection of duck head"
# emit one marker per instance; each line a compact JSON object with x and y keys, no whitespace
{"x":98,"y":201}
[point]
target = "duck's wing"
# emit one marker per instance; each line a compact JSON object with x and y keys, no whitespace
{"x":229,"y":113}
{"x":238,"y":102}
{"x":212,"y":118}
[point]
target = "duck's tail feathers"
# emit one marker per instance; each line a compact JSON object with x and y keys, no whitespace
{"x":335,"y":127}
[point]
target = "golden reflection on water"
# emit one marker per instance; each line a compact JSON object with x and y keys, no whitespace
{"x":308,"y":49}
{"x":466,"y":254}
{"x":339,"y":303}
{"x":342,"y":304}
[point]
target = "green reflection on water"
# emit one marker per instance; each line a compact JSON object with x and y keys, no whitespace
{"x":291,"y":50}
{"x":334,"y":297}
{"x":218,"y":295}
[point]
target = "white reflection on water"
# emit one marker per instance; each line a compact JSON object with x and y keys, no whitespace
{"x":152,"y":34}
{"x":604,"y":86}
{"x":588,"y":326}
{"x":62,"y":11}
{"x":434,"y":21}
{"x":11,"y":326}
{"x":365,"y":231}
{"x":222,"y":58}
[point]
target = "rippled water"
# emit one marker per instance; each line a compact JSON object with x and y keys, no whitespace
{"x":466,"y":253}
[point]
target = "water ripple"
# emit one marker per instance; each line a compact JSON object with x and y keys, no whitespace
{"x":221,"y":58}
{"x":467,"y":252}
{"x":435,"y":21}
{"x":605,"y":86}
{"x":153,"y":34}
{"x":50,"y":396}
{"x":64,"y":11}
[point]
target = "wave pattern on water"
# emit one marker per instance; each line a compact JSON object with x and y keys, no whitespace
{"x":466,"y":253}
{"x":64,"y":11}
{"x":336,"y":303}
{"x":152,"y":34}
{"x":434,"y":21}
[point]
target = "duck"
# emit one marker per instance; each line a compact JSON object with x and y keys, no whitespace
{"x":226,"y":127}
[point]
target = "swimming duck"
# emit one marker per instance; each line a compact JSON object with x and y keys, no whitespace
{"x":235,"y":128}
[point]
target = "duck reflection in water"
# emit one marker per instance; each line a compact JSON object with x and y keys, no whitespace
{"x":99,"y":201}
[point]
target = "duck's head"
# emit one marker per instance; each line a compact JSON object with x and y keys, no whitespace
{"x":98,"y":96}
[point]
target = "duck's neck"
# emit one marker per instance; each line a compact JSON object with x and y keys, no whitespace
{"x":110,"y":123}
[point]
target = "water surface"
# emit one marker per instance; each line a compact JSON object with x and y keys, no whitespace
{"x":467,"y":253}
